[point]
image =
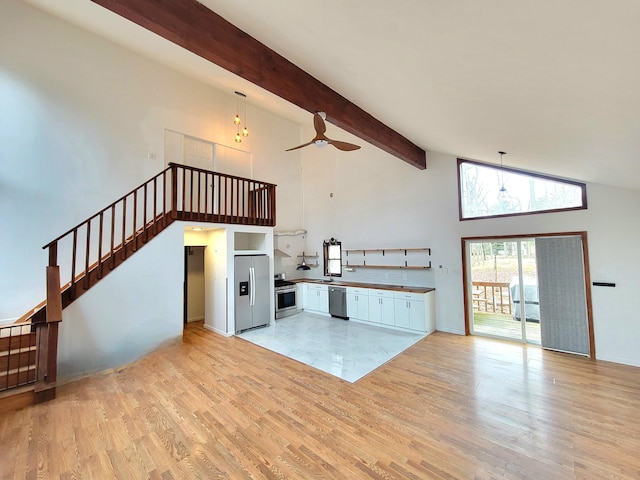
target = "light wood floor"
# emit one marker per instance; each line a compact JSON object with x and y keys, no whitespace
{"x":449,"y":407}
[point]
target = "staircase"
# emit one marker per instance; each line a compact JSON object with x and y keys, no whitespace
{"x":82,"y":256}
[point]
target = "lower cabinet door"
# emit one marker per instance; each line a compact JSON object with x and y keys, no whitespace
{"x":417,"y":320}
{"x":402,"y":313}
{"x":388,"y":311}
{"x":352,"y":305}
{"x":375,"y":311}
{"x":363,"y":307}
{"x":323,"y":301}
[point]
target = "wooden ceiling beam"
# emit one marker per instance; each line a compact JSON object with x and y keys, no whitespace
{"x":194,"y":27}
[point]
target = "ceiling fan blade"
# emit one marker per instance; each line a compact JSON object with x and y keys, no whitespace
{"x":320,"y":140}
{"x":318,"y":124}
{"x":345,"y":146}
{"x":300,"y":146}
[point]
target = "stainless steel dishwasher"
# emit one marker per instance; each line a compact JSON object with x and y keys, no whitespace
{"x":338,"y":302}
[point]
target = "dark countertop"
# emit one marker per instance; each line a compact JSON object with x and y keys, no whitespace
{"x":380,"y":286}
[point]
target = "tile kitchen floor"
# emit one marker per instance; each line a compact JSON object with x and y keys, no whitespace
{"x":346,"y":349}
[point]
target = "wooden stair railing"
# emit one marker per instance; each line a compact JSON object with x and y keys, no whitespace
{"x":17,"y":356}
{"x":96,"y":246}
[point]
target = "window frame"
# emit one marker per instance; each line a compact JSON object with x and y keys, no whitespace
{"x":325,"y":254}
{"x":581,"y":185}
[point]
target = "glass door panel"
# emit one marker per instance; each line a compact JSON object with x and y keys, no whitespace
{"x":498,"y":269}
{"x":530,"y":288}
{"x":494,"y":265}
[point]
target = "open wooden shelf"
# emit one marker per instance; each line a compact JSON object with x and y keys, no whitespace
{"x":383,"y":250}
{"x":361,"y":253}
{"x":414,"y":267}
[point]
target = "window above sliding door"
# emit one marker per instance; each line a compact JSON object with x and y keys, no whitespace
{"x":491,"y":191}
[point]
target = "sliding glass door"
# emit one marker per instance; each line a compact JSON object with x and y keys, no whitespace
{"x":531,"y":290}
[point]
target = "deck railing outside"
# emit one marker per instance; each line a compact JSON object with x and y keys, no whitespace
{"x":491,"y":297}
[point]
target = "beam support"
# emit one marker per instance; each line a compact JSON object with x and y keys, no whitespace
{"x":194,"y":27}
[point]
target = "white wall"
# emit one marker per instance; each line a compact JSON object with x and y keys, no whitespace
{"x":380,"y":202}
{"x":133,"y":310}
{"x":79,"y":117}
{"x":82,"y":122}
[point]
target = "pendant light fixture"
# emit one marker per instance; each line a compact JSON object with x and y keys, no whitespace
{"x":502,"y":193}
{"x":245,"y":131}
{"x":303,"y":265}
{"x":237,"y":120}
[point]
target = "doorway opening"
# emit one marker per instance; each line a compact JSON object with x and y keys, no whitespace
{"x":194,"y":284}
{"x":532,"y":289}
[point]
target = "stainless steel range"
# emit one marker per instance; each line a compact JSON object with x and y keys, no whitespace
{"x":285,"y":297}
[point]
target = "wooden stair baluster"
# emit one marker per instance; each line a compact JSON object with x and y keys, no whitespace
{"x":227,"y":199}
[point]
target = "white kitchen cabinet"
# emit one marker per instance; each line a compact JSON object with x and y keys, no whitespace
{"x":392,"y":308}
{"x":358,"y":303}
{"x":381,"y":307}
{"x":414,"y":311}
{"x":316,"y":298}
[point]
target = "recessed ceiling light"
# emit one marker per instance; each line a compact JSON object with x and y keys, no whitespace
{"x":197,"y":229}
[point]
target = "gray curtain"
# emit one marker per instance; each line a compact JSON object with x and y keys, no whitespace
{"x":561,"y":285}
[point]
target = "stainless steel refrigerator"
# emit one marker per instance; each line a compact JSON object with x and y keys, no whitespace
{"x":252,"y":291}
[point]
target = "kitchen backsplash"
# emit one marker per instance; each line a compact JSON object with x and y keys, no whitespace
{"x":407,"y":277}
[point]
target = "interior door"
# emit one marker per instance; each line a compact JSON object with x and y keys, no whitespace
{"x":198,"y":153}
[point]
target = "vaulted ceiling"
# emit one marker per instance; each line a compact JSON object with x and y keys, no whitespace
{"x":554,"y":84}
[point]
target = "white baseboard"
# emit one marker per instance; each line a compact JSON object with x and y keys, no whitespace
{"x":616,"y":359}
{"x":220,"y":332}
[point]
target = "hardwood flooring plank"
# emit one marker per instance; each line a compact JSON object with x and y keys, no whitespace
{"x":449,"y":407}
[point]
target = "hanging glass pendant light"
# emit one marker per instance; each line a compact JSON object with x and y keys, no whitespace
{"x":237,"y":120}
{"x":502,"y":193}
{"x":245,"y":131}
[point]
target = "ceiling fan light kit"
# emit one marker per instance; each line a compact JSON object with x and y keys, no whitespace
{"x":321,"y":140}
